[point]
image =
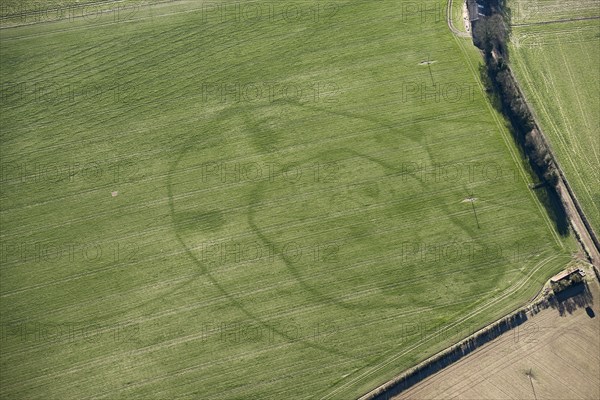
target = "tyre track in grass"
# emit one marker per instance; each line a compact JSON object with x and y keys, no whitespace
{"x":585,"y":234}
{"x":454,"y":30}
{"x":507,"y":141}
{"x":554,"y":127}
{"x":544,"y":215}
{"x":558,"y":21}
{"x":426,"y":339}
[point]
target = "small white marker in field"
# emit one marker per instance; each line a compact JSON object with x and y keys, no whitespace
{"x":114,"y":194}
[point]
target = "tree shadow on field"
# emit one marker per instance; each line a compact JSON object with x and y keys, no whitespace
{"x":572,"y":298}
{"x":555,"y":208}
{"x":452,"y":355}
{"x":546,"y":193}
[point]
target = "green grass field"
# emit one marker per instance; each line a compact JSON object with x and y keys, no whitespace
{"x":536,"y":11}
{"x":556,"y":65}
{"x":197,"y":206}
{"x":28,"y":12}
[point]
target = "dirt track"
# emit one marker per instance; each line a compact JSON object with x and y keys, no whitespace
{"x":585,"y":234}
{"x":578,"y":225}
{"x":451,"y":24}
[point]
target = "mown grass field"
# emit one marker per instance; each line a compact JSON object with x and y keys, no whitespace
{"x":557,"y":67}
{"x":536,"y":11}
{"x":28,"y":12}
{"x":195,"y":206}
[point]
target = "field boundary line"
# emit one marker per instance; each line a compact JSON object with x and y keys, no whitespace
{"x":553,"y":126}
{"x":491,"y":302}
{"x":382,"y":389}
{"x":587,"y":239}
{"x":507,"y":141}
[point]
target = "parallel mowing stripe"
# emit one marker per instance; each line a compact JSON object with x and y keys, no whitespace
{"x":516,"y":159}
{"x":495,"y":300}
{"x":195,"y":337}
{"x":557,"y":135}
{"x":140,"y":262}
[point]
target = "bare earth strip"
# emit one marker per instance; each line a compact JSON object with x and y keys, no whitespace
{"x":585,"y":234}
{"x":576,"y":219}
{"x":451,"y":23}
{"x":550,"y":356}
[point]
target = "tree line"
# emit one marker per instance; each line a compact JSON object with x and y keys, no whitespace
{"x":491,"y":34}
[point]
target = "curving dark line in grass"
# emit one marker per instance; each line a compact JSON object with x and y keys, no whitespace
{"x":203,"y":271}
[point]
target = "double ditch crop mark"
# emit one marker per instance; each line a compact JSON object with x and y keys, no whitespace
{"x":204,"y":271}
{"x":188,"y":251}
{"x":326,"y":299}
{"x":215,"y":282}
{"x":260,"y":234}
{"x":494,"y":301}
{"x":257,"y":197}
{"x":80,"y":275}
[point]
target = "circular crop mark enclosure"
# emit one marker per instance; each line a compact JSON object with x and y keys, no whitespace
{"x":321,"y":222}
